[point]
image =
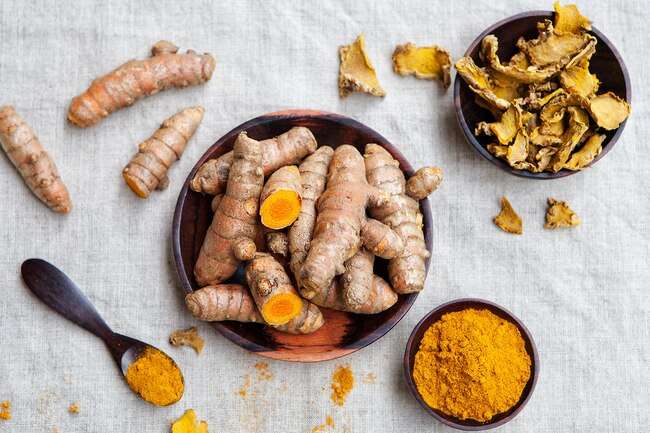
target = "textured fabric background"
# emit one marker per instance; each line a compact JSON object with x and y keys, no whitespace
{"x":583,"y":293}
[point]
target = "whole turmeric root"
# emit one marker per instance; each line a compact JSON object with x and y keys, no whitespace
{"x":147,"y":170}
{"x":408,"y":270}
{"x":25,"y":151}
{"x":341,"y":217}
{"x":281,"y":198}
{"x":223,"y":302}
{"x":271,"y":287}
{"x":285,"y":149}
{"x":313,"y":175}
{"x":231,"y":236}
{"x":136,"y":79}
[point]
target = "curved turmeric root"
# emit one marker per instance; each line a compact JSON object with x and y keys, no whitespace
{"x":223,"y":302}
{"x":423,"y":182}
{"x":136,"y":79}
{"x":285,"y":149}
{"x":32,"y":161}
{"x":231,"y":235}
{"x":271,"y":287}
{"x":280,"y":200}
{"x":147,"y":170}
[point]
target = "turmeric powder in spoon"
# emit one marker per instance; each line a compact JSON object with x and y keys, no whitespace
{"x":155,"y":377}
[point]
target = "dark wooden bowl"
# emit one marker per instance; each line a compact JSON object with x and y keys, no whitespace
{"x":606,"y":63}
{"x":413,"y":345}
{"x":343,"y":333}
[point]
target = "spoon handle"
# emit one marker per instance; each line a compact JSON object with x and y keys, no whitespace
{"x":60,"y":293}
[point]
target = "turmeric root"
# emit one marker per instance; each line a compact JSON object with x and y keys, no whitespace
{"x":380,"y":240}
{"x":341,"y":217}
{"x":427,"y":63}
{"x":309,"y":319}
{"x":380,"y":298}
{"x":285,"y":149}
{"x":147,"y":170}
{"x":356,"y":73}
{"x":275,"y":296}
{"x":223,"y":302}
{"x":214,"y":204}
{"x":313,"y":175}
{"x":136,"y":79}
{"x":25,"y":151}
{"x":231,"y":236}
{"x":361,"y":289}
{"x":281,"y":198}
{"x":402,"y":214}
{"x":423,"y":182}
{"x":277,"y":243}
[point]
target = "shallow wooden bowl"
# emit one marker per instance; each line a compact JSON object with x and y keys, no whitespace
{"x":343,"y":333}
{"x":606,"y":63}
{"x":413,"y":345}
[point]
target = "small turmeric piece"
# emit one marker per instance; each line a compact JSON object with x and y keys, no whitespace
{"x":356,"y":73}
{"x":73,"y":408}
{"x":277,"y":243}
{"x":188,"y":423}
{"x":359,"y":285}
{"x":568,"y":19}
{"x":25,"y":151}
{"x":425,"y":181}
{"x":508,"y":220}
{"x":560,"y":215}
{"x":147,"y":170}
{"x":280,"y":200}
{"x":426,"y":63}
{"x":187,"y":337}
{"x":155,"y":377}
{"x":5,"y":410}
{"x":342,"y":384}
{"x":223,"y":302}
{"x":136,"y":79}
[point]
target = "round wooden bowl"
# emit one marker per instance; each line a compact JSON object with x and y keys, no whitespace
{"x":413,"y":345}
{"x":343,"y":333}
{"x":606,"y":63}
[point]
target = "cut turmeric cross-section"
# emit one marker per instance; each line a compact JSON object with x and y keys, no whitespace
{"x":280,"y":199}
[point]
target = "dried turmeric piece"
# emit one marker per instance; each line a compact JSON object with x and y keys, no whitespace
{"x":568,"y":19}
{"x":559,"y":214}
{"x":35,"y":165}
{"x":608,"y":110}
{"x":557,"y":50}
{"x":578,"y":126}
{"x":356,"y":73}
{"x":506,"y":128}
{"x":73,"y":408}
{"x":5,"y":410}
{"x":508,"y":220}
{"x":188,"y":423}
{"x":187,"y":337}
{"x":480,"y":83}
{"x":587,"y":153}
{"x":281,"y":199}
{"x":426,"y":63}
{"x":577,"y":79}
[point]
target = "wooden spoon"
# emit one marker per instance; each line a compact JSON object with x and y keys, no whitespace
{"x":60,"y":293}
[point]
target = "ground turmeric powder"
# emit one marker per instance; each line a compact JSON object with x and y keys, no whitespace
{"x":471,"y":364}
{"x":155,"y":378}
{"x":5,"y":410}
{"x":342,"y":384}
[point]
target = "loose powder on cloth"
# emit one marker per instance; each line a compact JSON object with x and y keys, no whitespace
{"x":342,"y":384}
{"x":471,"y":364}
{"x":5,"y":410}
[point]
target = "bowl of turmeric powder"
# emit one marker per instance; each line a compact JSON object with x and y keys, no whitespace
{"x":471,"y":364}
{"x":542,"y":95}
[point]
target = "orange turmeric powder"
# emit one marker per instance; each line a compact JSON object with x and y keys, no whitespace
{"x":471,"y":364}
{"x":155,"y":378}
{"x":342,"y":384}
{"x":5,"y":410}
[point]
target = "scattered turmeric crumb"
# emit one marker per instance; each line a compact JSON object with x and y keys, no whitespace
{"x":188,"y":424}
{"x":508,"y":220}
{"x":5,"y":410}
{"x":243,"y":391}
{"x":559,"y":214}
{"x":187,"y":337}
{"x":342,"y":384}
{"x":263,"y":372}
{"x":369,"y":378}
{"x":73,"y":408}
{"x":329,"y":423}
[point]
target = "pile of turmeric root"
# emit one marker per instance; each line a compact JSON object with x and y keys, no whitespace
{"x":307,"y":222}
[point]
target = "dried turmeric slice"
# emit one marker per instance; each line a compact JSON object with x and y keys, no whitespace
{"x":608,"y":110}
{"x":480,"y":83}
{"x":189,"y":424}
{"x":559,"y":214}
{"x":187,"y":337}
{"x":590,"y":150}
{"x":578,"y":126}
{"x":508,"y":220}
{"x":577,"y":79}
{"x":426,"y":63}
{"x":506,"y":128}
{"x":356,"y":73}
{"x":568,"y":19}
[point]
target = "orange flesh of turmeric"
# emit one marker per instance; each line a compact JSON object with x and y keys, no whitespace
{"x":280,"y":209}
{"x":281,"y":309}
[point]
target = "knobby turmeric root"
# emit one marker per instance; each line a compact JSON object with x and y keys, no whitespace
{"x":381,"y":297}
{"x":341,"y":217}
{"x":136,"y":79}
{"x":356,"y":73}
{"x":313,"y":175}
{"x":427,"y":63}
{"x":25,"y":151}
{"x":231,"y":236}
{"x":147,"y":170}
{"x":223,"y":302}
{"x":285,"y":149}
{"x":423,"y":182}
{"x":361,"y":289}
{"x":402,"y":214}
{"x":271,"y":287}
{"x":281,"y":198}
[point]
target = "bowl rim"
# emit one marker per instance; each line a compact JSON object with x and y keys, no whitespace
{"x":478,"y":147}
{"x":450,"y":421}
{"x":407,"y":300}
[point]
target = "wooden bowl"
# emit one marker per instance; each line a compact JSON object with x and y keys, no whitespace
{"x":606,"y":63}
{"x":343,"y":333}
{"x":413,"y":345}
